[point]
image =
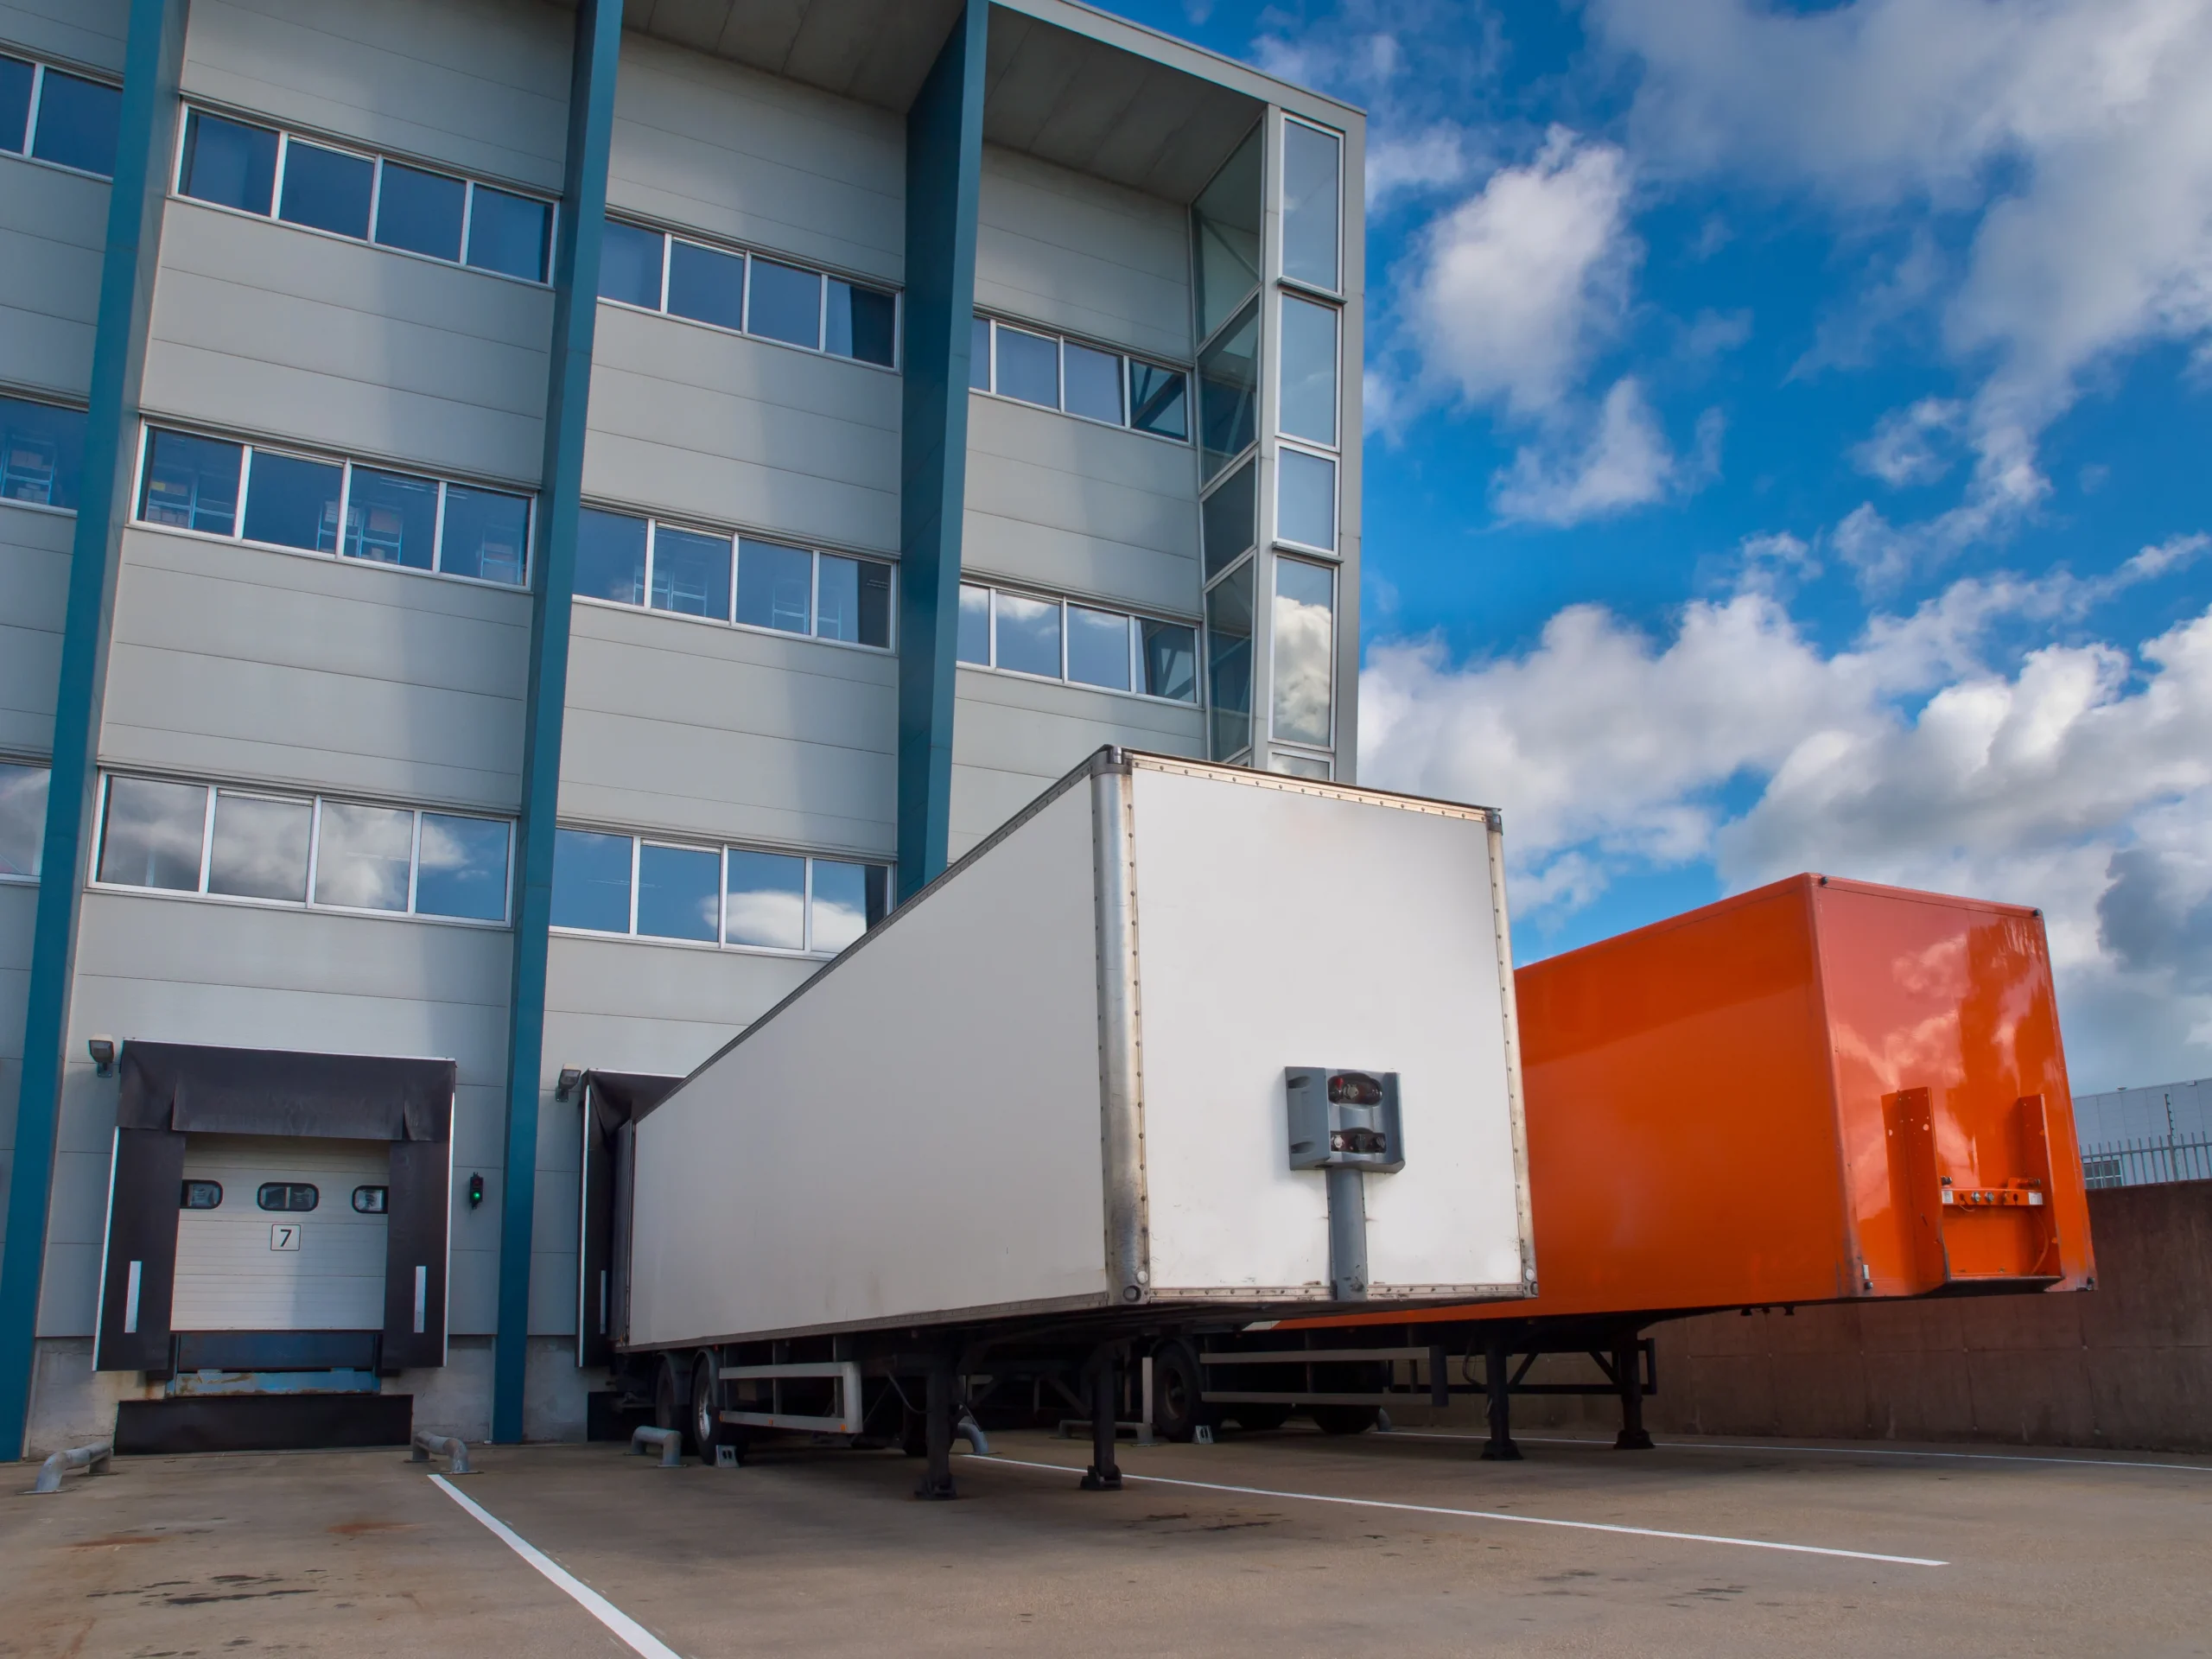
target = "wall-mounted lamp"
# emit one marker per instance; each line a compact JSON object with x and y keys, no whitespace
{"x":475,"y":1190}
{"x":566,"y":1085}
{"x":102,"y":1049}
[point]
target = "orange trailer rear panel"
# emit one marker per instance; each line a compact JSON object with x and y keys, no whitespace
{"x":1819,"y":1090}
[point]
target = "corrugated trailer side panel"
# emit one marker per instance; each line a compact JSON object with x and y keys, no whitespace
{"x":938,"y":1085}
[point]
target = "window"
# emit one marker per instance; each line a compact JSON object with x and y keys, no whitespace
{"x":1229,"y":662}
{"x":633,"y":561}
{"x":41,"y":453}
{"x":1225,"y":236}
{"x":748,"y":293}
{"x":1032,"y":368}
{"x":200,"y":1195}
{"x":1229,"y":390}
{"x":366,"y":198}
{"x":1305,"y":498}
{"x":1299,"y":766}
{"x":1229,"y":519}
{"x":1084,"y":645}
{"x":1310,"y":204}
{"x":23,"y":820}
{"x":221,"y":487}
{"x":1309,"y":372}
{"x":287,"y":1197}
{"x":53,"y":116}
{"x":731,"y":897}
{"x":301,"y":850}
{"x":1304,"y":608}
{"x":372,"y":1200}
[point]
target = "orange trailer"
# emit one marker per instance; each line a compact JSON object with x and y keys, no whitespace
{"x":1822,"y":1090}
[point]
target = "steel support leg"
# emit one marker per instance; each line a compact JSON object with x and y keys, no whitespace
{"x":1499,"y":1377}
{"x":1105,"y":1474}
{"x":1628,"y":1375}
{"x":938,"y":1410}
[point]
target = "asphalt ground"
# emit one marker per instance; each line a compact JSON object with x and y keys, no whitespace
{"x":1277,"y":1544}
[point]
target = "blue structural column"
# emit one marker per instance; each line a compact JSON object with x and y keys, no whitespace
{"x":145,"y":140}
{"x":944,"y":166}
{"x":568,"y":399}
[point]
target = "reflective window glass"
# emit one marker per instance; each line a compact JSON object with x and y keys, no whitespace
{"x":16,"y":78}
{"x":1304,"y":646}
{"x":849,"y":900}
{"x":508,"y":233}
{"x":326,"y":189}
{"x":979,"y":355}
{"x":200,"y":1195}
{"x":863,"y":323}
{"x":420,"y":211}
{"x":1094,"y":384}
{"x":1309,"y":371}
{"x":228,"y":162}
{"x":591,"y":881}
{"x":372,"y":1200}
{"x":1305,"y":498}
{"x":1228,"y":663}
{"x":611,"y":556}
{"x":260,"y":849}
{"x":1299,"y":766}
{"x":706,"y":285}
{"x":629,"y":265}
{"x":1171,"y":660}
{"x":1310,"y":199}
{"x":1028,"y":635}
{"x":775,"y":585}
{"x":287,"y":1197}
{"x":786,"y":304}
{"x":23,"y":818}
{"x":362,"y":855}
{"x":766,"y":901}
{"x":1029,"y":367}
{"x":392,"y":518}
{"x":854,"y":603}
{"x":153,"y":833}
{"x":486,"y":534}
{"x":77,"y":123}
{"x":191,"y":483}
{"x":1098,"y":647}
{"x":1229,"y":387}
{"x":690,"y":572}
{"x":677,"y":893}
{"x":1159,"y":400}
{"x":1225,"y":236}
{"x":1230,"y":520}
{"x":974,"y":645}
{"x":293,"y":502}
{"x":461,"y":870}
{"x":41,"y":453}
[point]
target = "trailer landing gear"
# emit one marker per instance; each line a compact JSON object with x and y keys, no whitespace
{"x":1628,"y":1376}
{"x":938,"y":1411}
{"x":1105,"y":1474}
{"x":1496,"y":1378}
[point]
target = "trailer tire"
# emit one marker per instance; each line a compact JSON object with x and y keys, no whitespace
{"x":668,"y":1398}
{"x":705,"y":1424}
{"x":1178,"y":1412}
{"x":1343,"y":1419}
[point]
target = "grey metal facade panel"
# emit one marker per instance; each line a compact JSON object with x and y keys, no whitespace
{"x":1081,"y":508}
{"x":34,"y":596}
{"x":705,"y":144}
{"x":1079,"y":254}
{"x":478,"y":84}
{"x":660,"y":1008}
{"x":52,"y":226}
{"x":243,"y":663}
{"x":696,"y":423}
{"x":89,"y":32}
{"x":281,"y":333}
{"x":874,"y":51}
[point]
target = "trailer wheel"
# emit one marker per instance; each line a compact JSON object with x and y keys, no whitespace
{"x":1177,"y":1409}
{"x":707,"y":1428}
{"x":668,"y":1397}
{"x":1342,"y":1419}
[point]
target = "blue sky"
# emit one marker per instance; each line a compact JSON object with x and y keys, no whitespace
{"x":1785,"y":451}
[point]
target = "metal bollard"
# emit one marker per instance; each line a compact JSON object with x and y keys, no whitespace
{"x":444,"y":1445}
{"x":967,"y":1428}
{"x":93,"y":1459}
{"x":671,"y":1441}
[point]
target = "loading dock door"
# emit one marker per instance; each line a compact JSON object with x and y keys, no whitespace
{"x":612,"y":1100}
{"x":272,"y":1236}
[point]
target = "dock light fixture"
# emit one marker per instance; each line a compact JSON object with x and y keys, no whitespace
{"x":566,"y":1084}
{"x":102,"y":1049}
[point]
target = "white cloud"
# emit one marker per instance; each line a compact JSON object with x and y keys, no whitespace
{"x":1904,"y":447}
{"x":1624,"y":462}
{"x":1405,"y":164}
{"x":2079,"y":780}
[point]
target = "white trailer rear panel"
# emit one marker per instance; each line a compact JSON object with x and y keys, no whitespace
{"x":1054,"y":1081}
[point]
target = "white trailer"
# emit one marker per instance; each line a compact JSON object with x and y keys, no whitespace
{"x":1181,"y":1047}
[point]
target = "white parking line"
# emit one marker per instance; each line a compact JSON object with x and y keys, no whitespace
{"x":638,"y":1638}
{"x":1490,"y":1515}
{"x":1831,"y":1451}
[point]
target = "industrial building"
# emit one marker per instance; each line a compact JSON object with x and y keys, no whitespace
{"x":524,"y":530}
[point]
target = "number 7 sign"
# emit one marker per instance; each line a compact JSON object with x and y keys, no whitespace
{"x":284,"y":1236}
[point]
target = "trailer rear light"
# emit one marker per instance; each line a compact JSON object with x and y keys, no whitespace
{"x":1354,"y":1088}
{"x":1366,"y":1140}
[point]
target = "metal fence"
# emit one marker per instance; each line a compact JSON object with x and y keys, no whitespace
{"x":2145,"y":1163}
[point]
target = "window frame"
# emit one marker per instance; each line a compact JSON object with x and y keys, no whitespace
{"x":1336,"y":499}
{"x":746,"y":254}
{"x":1299,"y":285}
{"x":28,"y":764}
{"x":379,"y":159}
{"x":40,"y":400}
{"x":36,"y":106}
{"x":1293,"y":745}
{"x":1129,"y":358}
{"x":1133,"y":618}
{"x":346,"y":465}
{"x":315,"y":799}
